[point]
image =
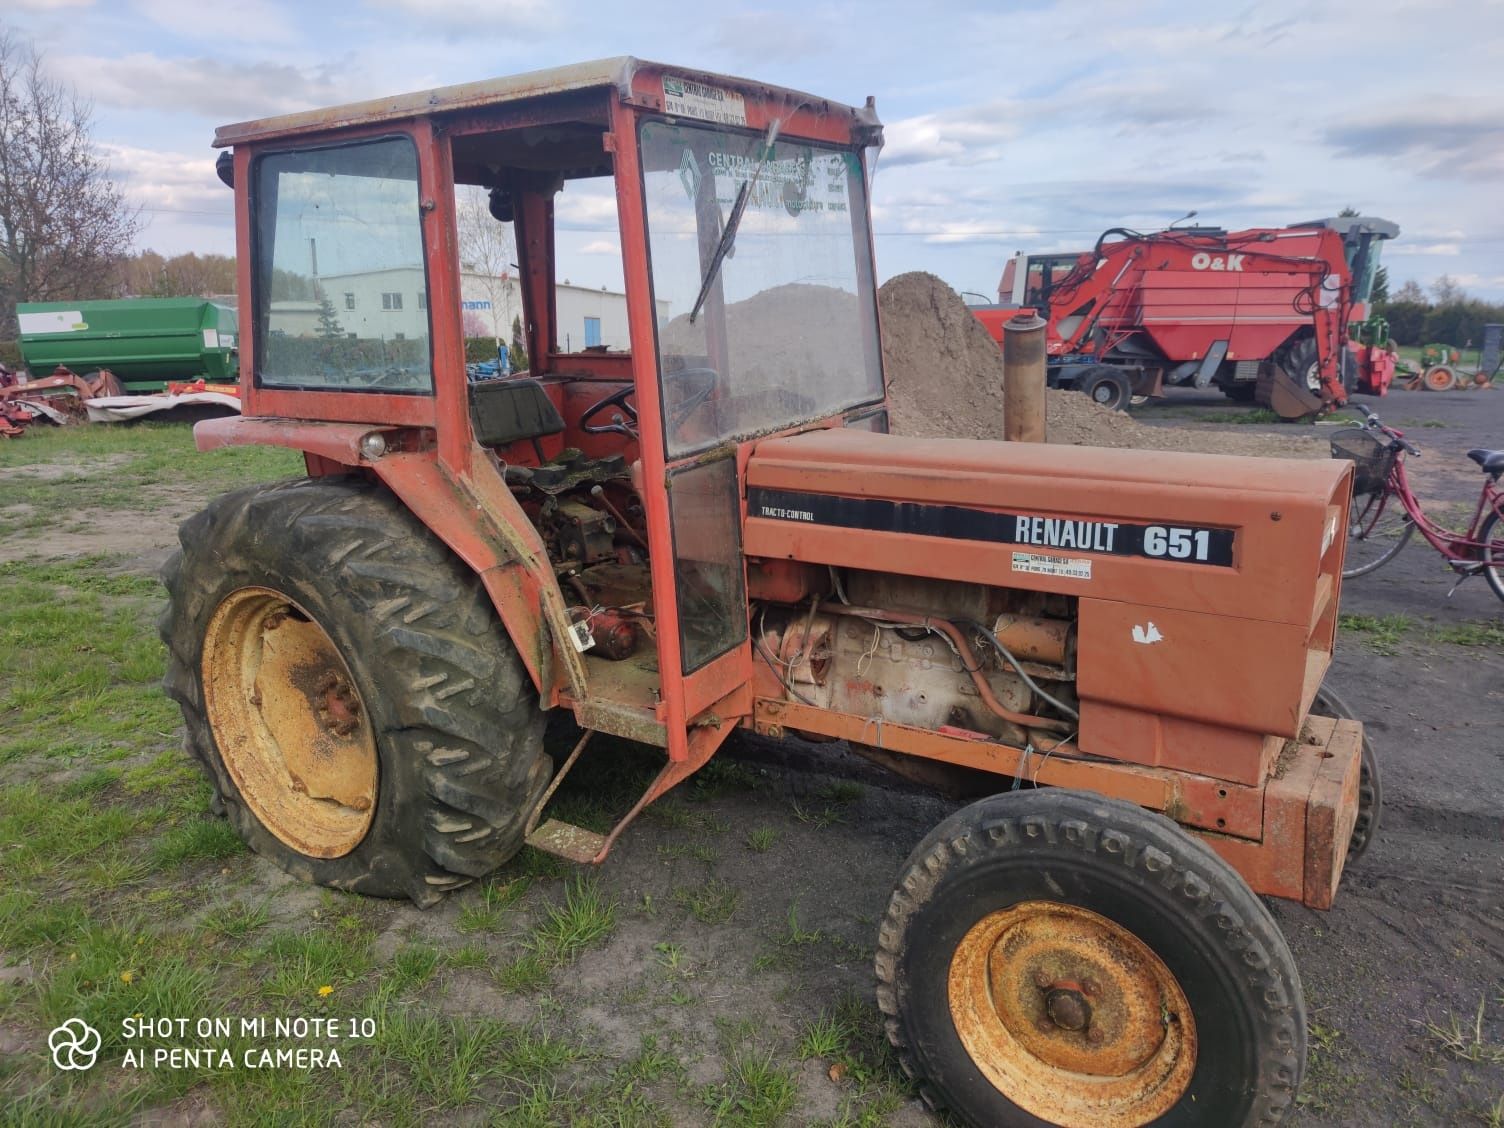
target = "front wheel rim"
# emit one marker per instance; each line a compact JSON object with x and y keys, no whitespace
{"x":289,"y":723}
{"x":1072,"y":1017}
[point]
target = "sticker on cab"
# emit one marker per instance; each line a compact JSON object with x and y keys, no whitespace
{"x":684,"y":98}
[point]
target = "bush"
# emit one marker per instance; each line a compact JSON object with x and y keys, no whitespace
{"x":479,"y":349}
{"x":10,"y":354}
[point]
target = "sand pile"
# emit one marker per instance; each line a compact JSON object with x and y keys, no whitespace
{"x":945,"y":379}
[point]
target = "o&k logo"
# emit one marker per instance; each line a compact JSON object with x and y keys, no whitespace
{"x":74,"y":1045}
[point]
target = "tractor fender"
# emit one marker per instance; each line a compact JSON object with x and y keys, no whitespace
{"x":471,"y":511}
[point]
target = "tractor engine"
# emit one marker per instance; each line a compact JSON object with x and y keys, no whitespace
{"x":963,"y":659}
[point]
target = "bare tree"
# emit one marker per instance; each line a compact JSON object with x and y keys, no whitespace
{"x":1446,"y":290}
{"x":486,"y":249}
{"x":64,"y":224}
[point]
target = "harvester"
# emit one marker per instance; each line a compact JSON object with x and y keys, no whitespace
{"x":705,"y":535}
{"x":1277,"y":316}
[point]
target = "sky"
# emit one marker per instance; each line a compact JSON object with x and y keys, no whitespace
{"x":1009,"y":126}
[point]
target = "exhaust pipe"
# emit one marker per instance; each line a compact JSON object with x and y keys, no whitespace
{"x":1023,"y":379}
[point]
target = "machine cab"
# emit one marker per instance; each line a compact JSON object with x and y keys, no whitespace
{"x":596,"y":490}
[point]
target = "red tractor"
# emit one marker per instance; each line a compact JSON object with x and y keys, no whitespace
{"x":1263,"y":314}
{"x":712,"y":531}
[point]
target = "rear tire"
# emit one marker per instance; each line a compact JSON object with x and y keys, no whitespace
{"x":433,"y":680}
{"x":1119,"y":915}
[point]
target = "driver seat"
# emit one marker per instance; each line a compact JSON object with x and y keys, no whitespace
{"x":503,"y":411}
{"x":1492,"y":461}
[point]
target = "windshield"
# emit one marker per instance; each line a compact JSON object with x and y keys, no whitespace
{"x":787,"y":331}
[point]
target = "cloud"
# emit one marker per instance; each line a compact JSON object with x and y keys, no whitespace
{"x":256,"y":21}
{"x":212,"y":87}
{"x":600,"y":247}
{"x":49,"y":5}
{"x":974,"y":231}
{"x":969,"y":136}
{"x":1461,"y":139}
{"x":490,"y":19}
{"x":1404,"y":248}
{"x":173,"y":190}
{"x":766,"y":36}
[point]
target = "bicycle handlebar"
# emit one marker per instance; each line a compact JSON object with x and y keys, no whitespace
{"x":1396,"y":436}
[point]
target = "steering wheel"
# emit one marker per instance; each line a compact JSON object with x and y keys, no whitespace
{"x":618,"y":425}
{"x":700,"y":382}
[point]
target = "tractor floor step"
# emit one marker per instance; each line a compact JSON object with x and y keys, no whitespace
{"x":566,"y":841}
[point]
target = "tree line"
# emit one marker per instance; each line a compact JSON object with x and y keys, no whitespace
{"x":1443,"y":314}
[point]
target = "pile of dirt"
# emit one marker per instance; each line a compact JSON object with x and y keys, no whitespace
{"x":945,"y":380}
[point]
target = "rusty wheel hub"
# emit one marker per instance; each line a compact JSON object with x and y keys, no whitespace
{"x":289,"y":723}
{"x":1071,"y":1016}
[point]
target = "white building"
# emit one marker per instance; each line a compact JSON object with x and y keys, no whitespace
{"x":391,"y":305}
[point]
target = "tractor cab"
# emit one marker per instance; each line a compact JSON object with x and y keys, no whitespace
{"x":1363,"y":238}
{"x":607,"y":470}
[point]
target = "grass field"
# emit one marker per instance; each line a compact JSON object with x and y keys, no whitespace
{"x":124,"y":900}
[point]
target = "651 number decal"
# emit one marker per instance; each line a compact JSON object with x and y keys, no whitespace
{"x":1177,"y":543}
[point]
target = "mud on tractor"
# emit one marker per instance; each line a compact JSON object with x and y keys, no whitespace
{"x":703,"y":534}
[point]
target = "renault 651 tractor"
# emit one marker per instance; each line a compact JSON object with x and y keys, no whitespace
{"x":712,"y":530}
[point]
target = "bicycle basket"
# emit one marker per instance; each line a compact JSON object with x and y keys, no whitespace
{"x":1370,"y":455}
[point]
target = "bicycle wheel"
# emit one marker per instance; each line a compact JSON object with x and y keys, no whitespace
{"x":1377,"y":528}
{"x":1491,"y":534}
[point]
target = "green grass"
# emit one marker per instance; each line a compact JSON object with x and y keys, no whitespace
{"x":712,"y":903}
{"x":122,"y":468}
{"x":1484,"y":634}
{"x":756,"y":1092}
{"x":586,"y":917}
{"x":761,"y":839}
{"x":1382,"y":632}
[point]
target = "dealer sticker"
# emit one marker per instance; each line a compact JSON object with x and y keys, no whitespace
{"x":1038,"y":564}
{"x":683,"y":98}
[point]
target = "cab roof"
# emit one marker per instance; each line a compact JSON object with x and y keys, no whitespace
{"x":616,"y":73}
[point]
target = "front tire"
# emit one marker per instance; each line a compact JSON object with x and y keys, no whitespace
{"x":1127,"y":974}
{"x":1491,"y":536}
{"x":1377,"y":528}
{"x":346,"y":685}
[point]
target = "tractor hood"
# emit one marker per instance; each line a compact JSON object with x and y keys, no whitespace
{"x":1243,"y":537}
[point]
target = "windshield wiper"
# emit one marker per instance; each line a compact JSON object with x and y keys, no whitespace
{"x":728,"y":233}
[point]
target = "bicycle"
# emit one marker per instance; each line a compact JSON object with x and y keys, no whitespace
{"x":1385,"y":513}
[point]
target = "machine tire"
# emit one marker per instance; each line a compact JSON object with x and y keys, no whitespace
{"x":454,"y":723}
{"x":1302,"y":362}
{"x":1134,"y":873}
{"x":1106,"y":388}
{"x":1439,"y":378}
{"x":1370,"y":788}
{"x":1349,"y":368}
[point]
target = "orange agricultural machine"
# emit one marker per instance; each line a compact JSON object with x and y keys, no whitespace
{"x":712,"y":531}
{"x":1265,"y":314}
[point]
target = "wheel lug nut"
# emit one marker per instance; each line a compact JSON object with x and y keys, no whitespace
{"x":1042,"y":980}
{"x":1091,"y":987}
{"x":1094,"y":1036}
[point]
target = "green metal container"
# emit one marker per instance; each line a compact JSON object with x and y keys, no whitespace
{"x":145,"y":342}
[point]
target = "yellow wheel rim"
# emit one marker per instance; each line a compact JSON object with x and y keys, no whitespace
{"x":289,"y":722}
{"x":1071,"y":1016}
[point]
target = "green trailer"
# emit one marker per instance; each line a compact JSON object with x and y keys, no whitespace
{"x":145,"y":342}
